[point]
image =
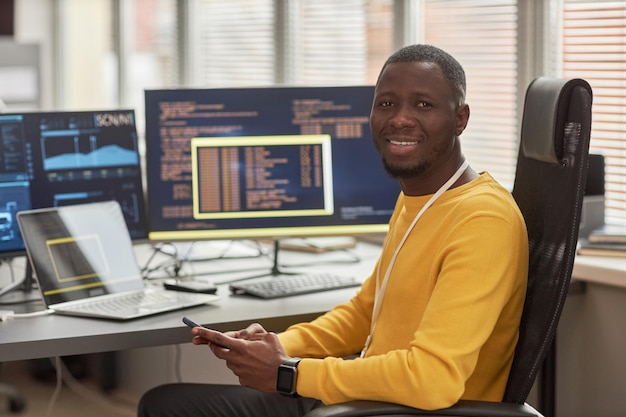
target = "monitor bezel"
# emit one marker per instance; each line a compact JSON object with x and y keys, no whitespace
{"x":16,"y":253}
{"x":256,"y":233}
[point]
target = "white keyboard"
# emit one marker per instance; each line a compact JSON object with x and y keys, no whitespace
{"x":288,"y":285}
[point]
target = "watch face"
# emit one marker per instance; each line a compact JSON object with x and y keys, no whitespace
{"x":285,"y":381}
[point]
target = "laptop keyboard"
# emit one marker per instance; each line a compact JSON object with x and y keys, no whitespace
{"x":288,"y":285}
{"x":123,"y":302}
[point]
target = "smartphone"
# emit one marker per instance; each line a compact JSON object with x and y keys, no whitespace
{"x":200,"y":286}
{"x":190,"y":322}
{"x":193,"y":324}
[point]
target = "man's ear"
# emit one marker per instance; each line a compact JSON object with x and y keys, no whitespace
{"x":462,"y":117}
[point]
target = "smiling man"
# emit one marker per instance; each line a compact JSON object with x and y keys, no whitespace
{"x":416,"y":130}
{"x":438,"y":318}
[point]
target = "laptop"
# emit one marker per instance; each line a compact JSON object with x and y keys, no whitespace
{"x":83,"y":259}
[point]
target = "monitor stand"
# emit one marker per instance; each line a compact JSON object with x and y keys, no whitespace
{"x":27,"y":285}
{"x":22,"y":292}
{"x":275,"y":271}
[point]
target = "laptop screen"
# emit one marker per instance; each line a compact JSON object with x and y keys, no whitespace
{"x":80,"y":251}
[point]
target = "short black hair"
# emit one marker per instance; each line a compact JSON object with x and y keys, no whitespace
{"x":451,"y":68}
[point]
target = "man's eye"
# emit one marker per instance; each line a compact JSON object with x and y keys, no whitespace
{"x":386,"y":104}
{"x":423,"y":104}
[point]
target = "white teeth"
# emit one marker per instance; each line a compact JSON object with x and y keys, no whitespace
{"x":393,"y":142}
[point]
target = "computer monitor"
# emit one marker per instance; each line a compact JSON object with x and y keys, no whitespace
{"x":241,"y":163}
{"x":50,"y":159}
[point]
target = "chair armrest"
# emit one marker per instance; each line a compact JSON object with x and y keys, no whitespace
{"x":463,"y":408}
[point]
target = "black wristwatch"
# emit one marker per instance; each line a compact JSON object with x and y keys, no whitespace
{"x":287,"y":376}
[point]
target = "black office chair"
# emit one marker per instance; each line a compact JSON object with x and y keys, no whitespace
{"x":549,"y":187}
{"x":15,"y":400}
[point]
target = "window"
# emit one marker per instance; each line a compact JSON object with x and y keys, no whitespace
{"x":147,"y":50}
{"x":148,"y":47}
{"x":594,"y":48}
{"x":487,"y":48}
{"x":109,"y":51}
{"x":338,"y":42}
{"x":232,"y":43}
{"x":328,"y":42}
{"x":502,"y":44}
{"x":87,"y":63}
{"x":265,"y":42}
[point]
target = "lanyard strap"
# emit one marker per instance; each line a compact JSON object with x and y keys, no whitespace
{"x":381,"y":287}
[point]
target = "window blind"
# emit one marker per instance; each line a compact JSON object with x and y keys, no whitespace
{"x":326,"y":42}
{"x":330,"y":45}
{"x":380,"y":23}
{"x":482,"y":36}
{"x":148,"y":51}
{"x":339,"y":43}
{"x":594,"y":48}
{"x":232,"y":43}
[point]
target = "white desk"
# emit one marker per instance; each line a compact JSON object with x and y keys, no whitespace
{"x":56,"y":335}
{"x":600,"y":270}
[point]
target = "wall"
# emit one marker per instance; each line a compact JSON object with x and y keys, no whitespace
{"x":591,"y":354}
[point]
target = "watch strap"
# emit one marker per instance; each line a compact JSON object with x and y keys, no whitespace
{"x":292,"y":362}
{"x":287,"y":377}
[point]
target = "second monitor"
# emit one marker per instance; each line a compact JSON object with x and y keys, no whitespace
{"x":51,"y":159}
{"x":263,"y":162}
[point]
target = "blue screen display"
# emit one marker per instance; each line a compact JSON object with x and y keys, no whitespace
{"x":263,"y":162}
{"x":63,"y":158}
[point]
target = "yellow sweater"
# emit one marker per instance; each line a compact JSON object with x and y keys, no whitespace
{"x":449,"y":321}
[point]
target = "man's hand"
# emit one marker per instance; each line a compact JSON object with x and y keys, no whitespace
{"x":253,"y":332}
{"x":253,"y":354}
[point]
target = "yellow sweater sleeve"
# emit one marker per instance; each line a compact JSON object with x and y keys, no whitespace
{"x":448,"y":325}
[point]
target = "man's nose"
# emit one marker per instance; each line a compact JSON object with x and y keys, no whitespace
{"x":403,"y":117}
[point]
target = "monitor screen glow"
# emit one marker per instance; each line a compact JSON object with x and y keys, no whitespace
{"x":263,"y":163}
{"x":50,"y":159}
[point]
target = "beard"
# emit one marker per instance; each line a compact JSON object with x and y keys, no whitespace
{"x":399,"y":172}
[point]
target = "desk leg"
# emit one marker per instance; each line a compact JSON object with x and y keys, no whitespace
{"x":108,"y":371}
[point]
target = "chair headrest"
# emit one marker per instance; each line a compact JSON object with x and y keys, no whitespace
{"x":547,"y":115}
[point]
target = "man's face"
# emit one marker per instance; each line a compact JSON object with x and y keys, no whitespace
{"x":415,"y":119}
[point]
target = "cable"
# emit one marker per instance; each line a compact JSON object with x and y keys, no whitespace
{"x":177,"y":263}
{"x":223,"y":254}
{"x":14,"y":284}
{"x":59,"y":385}
{"x":177,"y":363}
{"x":32,"y":314}
{"x":9,"y":314}
{"x":65,"y":376}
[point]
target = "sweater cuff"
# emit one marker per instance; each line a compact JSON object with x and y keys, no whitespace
{"x":307,"y":371}
{"x":288,"y":341}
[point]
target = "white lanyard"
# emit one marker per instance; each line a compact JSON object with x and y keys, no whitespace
{"x":381,"y":287}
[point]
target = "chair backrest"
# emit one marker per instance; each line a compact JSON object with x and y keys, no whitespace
{"x":549,"y":187}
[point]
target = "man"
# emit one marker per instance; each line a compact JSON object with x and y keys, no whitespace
{"x":437,"y":320}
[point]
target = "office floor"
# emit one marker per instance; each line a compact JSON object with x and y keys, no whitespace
{"x":85,"y":399}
